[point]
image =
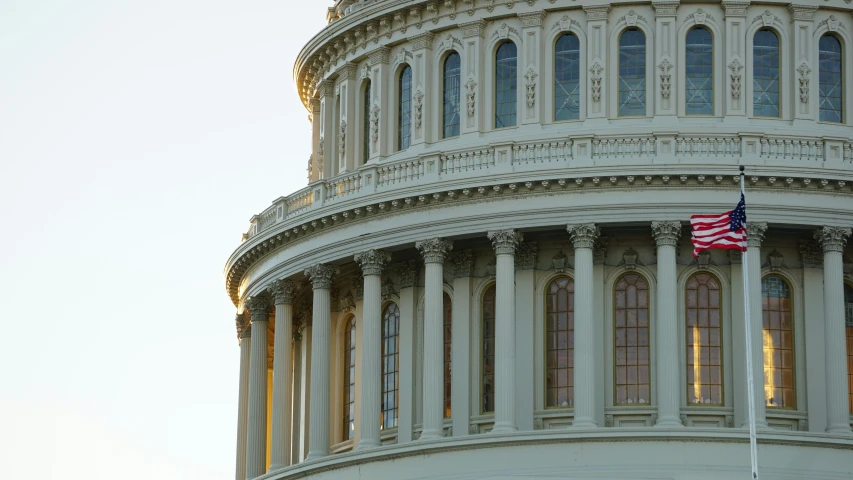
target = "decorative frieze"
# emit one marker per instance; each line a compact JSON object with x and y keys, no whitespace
{"x":532,"y":19}
{"x":802,"y":12}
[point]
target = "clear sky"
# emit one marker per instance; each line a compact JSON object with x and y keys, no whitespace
{"x":137,"y":138}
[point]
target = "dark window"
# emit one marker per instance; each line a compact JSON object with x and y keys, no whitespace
{"x":699,"y":87}
{"x":765,"y":74}
{"x":567,"y":78}
{"x":452,"y":95}
{"x":831,"y":85}
{"x":632,"y":73}
{"x":404,"y":134}
{"x":506,"y":83}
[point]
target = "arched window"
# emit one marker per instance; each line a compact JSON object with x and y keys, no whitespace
{"x":404,"y":133}
{"x":349,"y":379}
{"x":365,"y":122}
{"x":452,"y":94}
{"x":448,"y":336}
{"x":765,"y":74}
{"x":567,"y":74}
{"x":390,"y":365}
{"x":487,"y":404}
{"x":560,"y":343}
{"x":632,"y":73}
{"x":848,"y":323}
{"x":777,"y":319}
{"x":506,"y":84}
{"x":633,"y":385}
{"x":831,"y":87}
{"x":704,"y":340}
{"x":699,"y":79}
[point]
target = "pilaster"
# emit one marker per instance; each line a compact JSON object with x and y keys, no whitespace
{"x":315,"y":172}
{"x":596,"y":28}
{"x":530,"y":66}
{"x":381,"y":116}
{"x":473,"y":78}
{"x":815,"y":354}
{"x":423,"y":91}
{"x":347,"y":137}
{"x":735,"y":58}
{"x":326,"y":157}
{"x":804,"y":94}
{"x":666,"y":53}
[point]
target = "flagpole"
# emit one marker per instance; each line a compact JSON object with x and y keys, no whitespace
{"x":753,"y":444}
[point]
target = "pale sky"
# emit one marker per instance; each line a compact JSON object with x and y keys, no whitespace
{"x":137,"y":138}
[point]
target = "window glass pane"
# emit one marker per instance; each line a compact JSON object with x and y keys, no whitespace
{"x":777,"y":334}
{"x":365,"y":122}
{"x":830,"y":79}
{"x":506,"y":80}
{"x":560,"y":343}
{"x":699,"y":87}
{"x":452,"y":94}
{"x":765,"y":74}
{"x":488,"y":386}
{"x":390,"y":366}
{"x":404,"y":134}
{"x":632,"y":73}
{"x":448,"y":336}
{"x":848,"y":325}
{"x":704,"y":337}
{"x":631,"y":330}
{"x":349,"y":379}
{"x":567,"y":78}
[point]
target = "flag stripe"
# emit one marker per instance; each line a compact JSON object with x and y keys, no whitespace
{"x":725,"y":231}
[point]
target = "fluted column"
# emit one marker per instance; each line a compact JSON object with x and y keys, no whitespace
{"x":505,"y":242}
{"x":282,"y":377}
{"x":583,"y":237}
{"x":832,"y":239}
{"x":256,"y":442}
{"x":318,"y":424}
{"x":755,"y":235}
{"x":296,"y":425}
{"x":372,"y":262}
{"x":244,"y":332}
{"x":666,"y":235}
{"x":434,"y":251}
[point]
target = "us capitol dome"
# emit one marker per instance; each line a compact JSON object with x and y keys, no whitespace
{"x":489,"y":274}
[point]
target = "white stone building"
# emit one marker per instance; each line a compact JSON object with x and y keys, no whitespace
{"x":490,"y":275}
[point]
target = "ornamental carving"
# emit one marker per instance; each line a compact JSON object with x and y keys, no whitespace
{"x":242,"y":324}
{"x":811,"y":253}
{"x":372,"y":261}
{"x":357,"y":288}
{"x":504,"y":31}
{"x":283,"y":291}
{"x":388,"y":288}
{"x":505,"y":241}
{"x":703,"y":260}
{"x":665,"y":77}
{"x":804,"y":72}
{"x":566,"y":24}
{"x":462,"y":263}
{"x":347,"y":301}
{"x":374,"y":123}
{"x":831,"y":23}
{"x":530,"y":78}
{"x":775,"y":261}
{"x":451,"y":5}
{"x":259,"y":308}
{"x":767,"y":18}
{"x":525,"y":255}
{"x":419,"y":107}
{"x":584,"y":235}
{"x":342,"y":138}
{"x":407,"y":272}
{"x":599,"y":250}
{"x":630,"y":259}
{"x":631,"y":19}
{"x":755,"y":233}
{"x":321,"y":275}
{"x":596,"y":70}
{"x":560,"y":262}
{"x":471,"y":94}
{"x":736,"y":68}
{"x":666,"y":233}
{"x":699,"y":17}
{"x":832,"y":239}
{"x":449,"y":43}
{"x":434,"y":250}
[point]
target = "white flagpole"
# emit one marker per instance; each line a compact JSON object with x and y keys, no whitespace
{"x":753,"y":446}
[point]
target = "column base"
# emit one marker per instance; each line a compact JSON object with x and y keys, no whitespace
{"x":840,"y":429}
{"x":366,"y":445}
{"x":431,"y":434}
{"x":584,"y":423}
{"x":504,"y":427}
{"x":669,"y":422}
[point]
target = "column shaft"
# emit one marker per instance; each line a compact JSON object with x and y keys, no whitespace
{"x":256,"y":445}
{"x":371,"y":358}
{"x":585,"y":351}
{"x":318,"y":440}
{"x":667,"y":340}
{"x":433,"y":392}
{"x":505,"y":344}
{"x":243,"y":403}
{"x":297,"y":396}
{"x":755,"y":234}
{"x":281,"y":389}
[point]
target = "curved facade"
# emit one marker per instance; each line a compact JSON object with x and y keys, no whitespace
{"x":489,"y":274}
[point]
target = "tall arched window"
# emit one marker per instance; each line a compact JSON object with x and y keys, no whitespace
{"x":632,"y":73}
{"x":349,"y":379}
{"x":506,"y":84}
{"x":778,"y":338}
{"x":848,"y":323}
{"x":704,"y":340}
{"x":560,"y":343}
{"x":390,"y":365}
{"x":765,"y":74}
{"x":448,"y":337}
{"x":404,"y":117}
{"x":452,"y":95}
{"x":633,"y":384}
{"x":831,"y":86}
{"x":699,"y":79}
{"x":365,"y":124}
{"x":487,"y":404}
{"x":567,"y":75}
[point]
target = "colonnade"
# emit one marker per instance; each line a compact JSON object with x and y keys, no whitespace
{"x":252,"y":421}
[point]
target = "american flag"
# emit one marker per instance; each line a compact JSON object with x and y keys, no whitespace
{"x":726,"y":231}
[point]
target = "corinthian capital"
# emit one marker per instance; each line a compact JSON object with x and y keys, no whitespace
{"x":321,"y":275}
{"x":434,"y":250}
{"x":832,"y":239}
{"x":242,"y":324}
{"x":259,"y":308}
{"x":372,"y":261}
{"x":283,"y":291}
{"x":755,"y":233}
{"x":584,"y":234}
{"x":666,"y":233}
{"x":505,"y":241}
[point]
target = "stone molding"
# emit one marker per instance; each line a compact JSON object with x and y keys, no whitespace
{"x":284,"y":291}
{"x":321,"y":275}
{"x":584,"y":235}
{"x":832,"y":239}
{"x":666,"y":233}
{"x":434,"y":250}
{"x":372,"y":262}
{"x":505,"y":241}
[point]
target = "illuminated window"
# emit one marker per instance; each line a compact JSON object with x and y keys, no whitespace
{"x":632,"y":73}
{"x":560,"y":343}
{"x":704,"y":340}
{"x":765,"y":74}
{"x":452,"y":94}
{"x":778,"y":338}
{"x":567,"y":74}
{"x":831,"y":87}
{"x":488,"y":386}
{"x":448,"y":335}
{"x":404,"y":133}
{"x":848,"y":322}
{"x":506,"y":84}
{"x":349,"y":378}
{"x":365,"y":129}
{"x":632,"y":340}
{"x":390,"y":365}
{"x":699,"y":87}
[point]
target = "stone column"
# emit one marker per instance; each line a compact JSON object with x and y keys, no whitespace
{"x":434,"y":251}
{"x":296,"y":430}
{"x":832,"y":239}
{"x":244,"y":332}
{"x":505,"y":242}
{"x":256,"y":443}
{"x":372,"y":262}
{"x":755,"y":235}
{"x":583,"y":237}
{"x":666,"y":235}
{"x":318,"y":430}
{"x":283,"y":292}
